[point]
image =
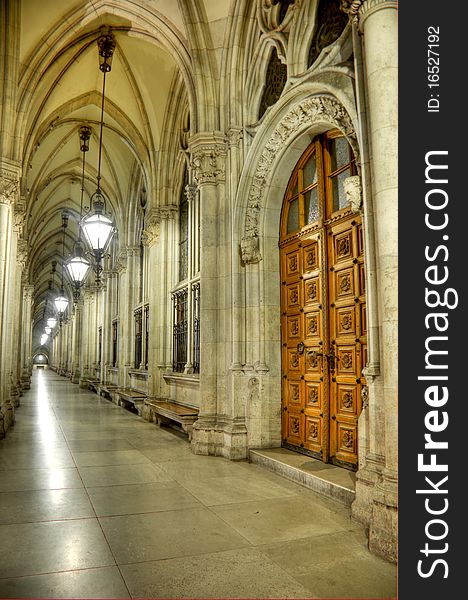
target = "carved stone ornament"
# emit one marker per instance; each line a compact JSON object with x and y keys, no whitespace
{"x":353,"y":190}
{"x":9,"y":185}
{"x":234,"y":136}
{"x":208,"y":163}
{"x":351,"y":7}
{"x":19,"y":217}
{"x":150,"y":233}
{"x":250,"y":250}
{"x":365,"y":396}
{"x":22,"y":253}
{"x":191,"y":191}
{"x":309,"y":111}
{"x":276,"y":16}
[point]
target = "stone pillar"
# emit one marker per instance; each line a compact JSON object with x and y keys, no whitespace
{"x":9,"y":182}
{"x":77,"y":337}
{"x":128,"y":260}
{"x":85,"y":339}
{"x":150,"y":240}
{"x":376,"y":488}
{"x":26,"y":337}
{"x":208,"y":154}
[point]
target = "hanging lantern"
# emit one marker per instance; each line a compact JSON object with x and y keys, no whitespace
{"x":77,"y":265}
{"x":47,"y":330}
{"x":97,"y":228}
{"x":51,"y":322}
{"x":61,"y":302}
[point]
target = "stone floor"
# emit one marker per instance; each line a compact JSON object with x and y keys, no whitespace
{"x":97,"y":503}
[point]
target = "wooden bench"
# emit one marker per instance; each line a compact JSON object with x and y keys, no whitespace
{"x":163,"y":412}
{"x":129,"y":398}
{"x":106,"y":389}
{"x":93,"y":385}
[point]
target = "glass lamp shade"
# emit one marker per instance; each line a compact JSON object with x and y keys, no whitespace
{"x":44,"y":338}
{"x":61,"y":303}
{"x":78,"y":268}
{"x":51,"y":322}
{"x":47,"y":330}
{"x":98,"y":230}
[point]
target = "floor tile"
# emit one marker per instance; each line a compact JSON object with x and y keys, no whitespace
{"x":34,"y":548}
{"x":283,"y":519}
{"x":98,"y":444}
{"x":39,"y":479}
{"x":55,"y":458}
{"x":122,"y":474}
{"x":320,"y":562}
{"x":104,"y":582}
{"x":106,"y":457}
{"x":154,"y":536}
{"x":44,"y":505}
{"x":219,"y":575}
{"x":140,"y":498}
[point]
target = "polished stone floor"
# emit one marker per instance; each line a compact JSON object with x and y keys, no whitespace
{"x":97,"y":503}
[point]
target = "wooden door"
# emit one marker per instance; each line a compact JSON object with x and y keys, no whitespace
{"x":323,"y":306}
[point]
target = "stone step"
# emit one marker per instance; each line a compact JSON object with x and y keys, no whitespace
{"x":326,"y":479}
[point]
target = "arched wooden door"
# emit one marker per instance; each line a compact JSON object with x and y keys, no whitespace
{"x":323,"y":304}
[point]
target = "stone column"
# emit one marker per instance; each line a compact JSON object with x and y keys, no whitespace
{"x":26,"y":337}
{"x":106,"y":297}
{"x":128,"y":260}
{"x":376,"y":488}
{"x":9,"y":183}
{"x":150,"y":239}
{"x":208,"y":156}
{"x":85,"y":339}
{"x":77,"y":337}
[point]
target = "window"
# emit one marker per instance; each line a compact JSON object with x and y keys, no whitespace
{"x":114,"y":343}
{"x":186,"y":294}
{"x":138,"y":337}
{"x":320,"y":174}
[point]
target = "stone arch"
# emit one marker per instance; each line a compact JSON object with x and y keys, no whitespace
{"x":311,"y":115}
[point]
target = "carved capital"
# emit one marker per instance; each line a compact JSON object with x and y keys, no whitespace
{"x":208,"y":158}
{"x":234,"y":136}
{"x":19,"y":216}
{"x":168,"y":212}
{"x":361,"y":9}
{"x":250,"y":250}
{"x":191,"y":191}
{"x":28,"y":291}
{"x":9,"y":185}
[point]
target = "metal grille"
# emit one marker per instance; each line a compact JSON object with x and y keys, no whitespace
{"x":114,"y":344}
{"x":196,"y":327}
{"x":146,"y":335}
{"x":179,"y":357}
{"x":138,"y":337}
{"x":99,"y":345}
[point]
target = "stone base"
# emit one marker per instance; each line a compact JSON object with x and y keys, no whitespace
{"x":26,"y":383}
{"x":7,"y":418}
{"x":383,"y":529}
{"x":83,"y":383}
{"x":220,"y":437}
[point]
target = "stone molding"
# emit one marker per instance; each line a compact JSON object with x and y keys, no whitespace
{"x":361,"y":9}
{"x":19,"y":217}
{"x":208,"y":158}
{"x":150,"y":235}
{"x":310,"y":110}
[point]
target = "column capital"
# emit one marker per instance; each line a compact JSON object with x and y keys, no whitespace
{"x":234,"y":136}
{"x":150,"y":234}
{"x":28,"y":291}
{"x":191,"y":191}
{"x":9,"y":182}
{"x":208,"y":157}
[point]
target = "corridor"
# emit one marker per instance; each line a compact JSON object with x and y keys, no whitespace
{"x":95,"y":502}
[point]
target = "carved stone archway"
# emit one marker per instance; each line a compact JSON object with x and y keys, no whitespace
{"x":302,"y":116}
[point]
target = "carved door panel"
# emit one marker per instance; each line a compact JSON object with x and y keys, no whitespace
{"x":348,"y":347}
